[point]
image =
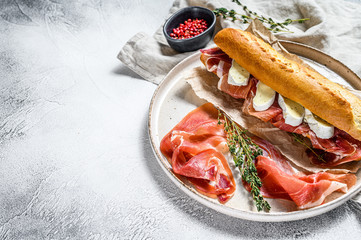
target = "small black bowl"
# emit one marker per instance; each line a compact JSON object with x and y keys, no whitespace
{"x":193,"y":43}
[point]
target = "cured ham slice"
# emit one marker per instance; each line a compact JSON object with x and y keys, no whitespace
{"x":266,"y":115}
{"x":334,"y":151}
{"x":195,"y":148}
{"x":219,"y":63}
{"x":330,"y":159}
{"x":305,"y":191}
{"x":240,"y":92}
{"x":216,"y":61}
{"x":207,"y":173}
{"x":339,"y":149}
{"x":215,"y":52}
{"x":279,"y":180}
{"x":279,"y":121}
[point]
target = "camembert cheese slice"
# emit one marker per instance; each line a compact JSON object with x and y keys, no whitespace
{"x":264,"y":98}
{"x":293,"y":112}
{"x":320,"y":127}
{"x":237,"y":75}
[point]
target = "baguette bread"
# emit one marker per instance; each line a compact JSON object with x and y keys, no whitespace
{"x":327,"y":99}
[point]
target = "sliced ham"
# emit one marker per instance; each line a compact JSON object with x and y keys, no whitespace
{"x":207,"y":173}
{"x":266,"y":115}
{"x":337,"y":145}
{"x":330,"y":159}
{"x":219,"y":63}
{"x":279,"y":180}
{"x":277,"y":184}
{"x":271,"y":152}
{"x":195,"y":148}
{"x":214,"y":52}
{"x":279,"y":121}
{"x":239,"y":92}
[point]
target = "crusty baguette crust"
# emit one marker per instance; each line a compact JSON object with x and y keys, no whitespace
{"x":321,"y":96}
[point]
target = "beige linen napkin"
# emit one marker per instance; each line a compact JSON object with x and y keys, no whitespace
{"x":334,"y":27}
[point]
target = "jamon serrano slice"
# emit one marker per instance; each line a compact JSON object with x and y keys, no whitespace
{"x":279,"y":180}
{"x":219,"y":63}
{"x":216,"y":61}
{"x":195,"y":148}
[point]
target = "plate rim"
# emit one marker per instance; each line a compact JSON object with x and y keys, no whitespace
{"x":238,"y":213}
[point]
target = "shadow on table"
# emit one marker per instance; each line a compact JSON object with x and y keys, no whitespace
{"x":356,"y":207}
{"x":124,"y":70}
{"x":238,"y":227}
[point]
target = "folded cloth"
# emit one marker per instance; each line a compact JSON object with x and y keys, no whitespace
{"x":334,"y":27}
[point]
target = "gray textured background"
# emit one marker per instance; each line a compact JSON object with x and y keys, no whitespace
{"x":75,"y":160}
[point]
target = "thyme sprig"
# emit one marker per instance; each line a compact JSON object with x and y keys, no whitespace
{"x":244,"y":153}
{"x":298,"y":138}
{"x":251,"y":15}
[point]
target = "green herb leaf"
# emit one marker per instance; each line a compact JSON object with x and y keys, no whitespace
{"x":244,"y":152}
{"x":272,"y":25}
{"x":298,"y":138}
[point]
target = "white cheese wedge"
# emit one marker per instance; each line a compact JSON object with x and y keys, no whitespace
{"x":237,"y":75}
{"x":293,"y":112}
{"x":265,"y":96}
{"x":320,"y":127}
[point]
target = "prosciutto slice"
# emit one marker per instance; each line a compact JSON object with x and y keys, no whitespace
{"x":266,"y":115}
{"x":239,"y":92}
{"x":219,"y":63}
{"x":339,"y":149}
{"x":195,"y":147}
{"x":280,"y":180}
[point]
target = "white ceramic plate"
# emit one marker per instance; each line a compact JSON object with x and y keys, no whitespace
{"x":174,"y":99}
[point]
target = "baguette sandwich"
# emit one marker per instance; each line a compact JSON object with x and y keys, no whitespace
{"x":290,"y":96}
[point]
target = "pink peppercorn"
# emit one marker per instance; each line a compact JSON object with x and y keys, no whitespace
{"x":189,"y":28}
